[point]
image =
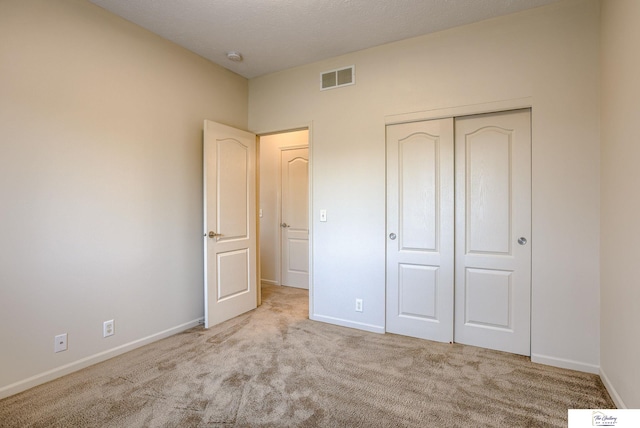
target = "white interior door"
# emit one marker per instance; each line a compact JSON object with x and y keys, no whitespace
{"x":294,"y":217}
{"x":493,"y":227}
{"x":229,"y":222}
{"x":420,"y":226}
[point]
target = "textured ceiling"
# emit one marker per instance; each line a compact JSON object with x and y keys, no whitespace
{"x":274,"y":35}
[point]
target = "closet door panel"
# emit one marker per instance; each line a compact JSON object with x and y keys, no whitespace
{"x":493,"y":230}
{"x":420,"y":229}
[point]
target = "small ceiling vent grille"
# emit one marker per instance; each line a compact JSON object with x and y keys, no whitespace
{"x":337,"y":78}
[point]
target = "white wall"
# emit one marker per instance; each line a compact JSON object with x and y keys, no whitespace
{"x":549,"y":54}
{"x":270,"y":194}
{"x":100,"y":182}
{"x":620,"y":229}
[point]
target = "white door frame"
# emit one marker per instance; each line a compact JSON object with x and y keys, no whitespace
{"x":309,"y":127}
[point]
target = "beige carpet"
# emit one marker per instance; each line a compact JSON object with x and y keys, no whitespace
{"x":274,"y":367}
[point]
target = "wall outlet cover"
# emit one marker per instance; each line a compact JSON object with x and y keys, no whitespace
{"x":60,"y":343}
{"x":108,"y":328}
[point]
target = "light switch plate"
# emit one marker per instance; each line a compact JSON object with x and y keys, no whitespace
{"x":323,"y":215}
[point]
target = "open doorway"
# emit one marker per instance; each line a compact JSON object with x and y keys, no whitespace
{"x":284,"y":208}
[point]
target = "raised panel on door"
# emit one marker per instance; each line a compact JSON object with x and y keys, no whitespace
{"x":229,"y":222}
{"x":488,"y":298}
{"x":418,"y":285}
{"x":488,"y":190}
{"x":233,"y":271}
{"x":232,"y":189}
{"x":420,"y":229}
{"x":295,"y":217}
{"x":493,"y":210}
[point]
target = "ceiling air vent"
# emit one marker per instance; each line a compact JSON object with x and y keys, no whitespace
{"x":336,"y":78}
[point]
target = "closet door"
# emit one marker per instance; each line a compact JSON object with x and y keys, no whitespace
{"x":294,"y":229}
{"x":493,"y":229}
{"x":420,"y":229}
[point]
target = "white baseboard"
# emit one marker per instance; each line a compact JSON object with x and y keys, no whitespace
{"x":612,"y":391}
{"x":347,"y":323}
{"x":269,"y":282}
{"x":565,"y":364}
{"x":47,"y":376}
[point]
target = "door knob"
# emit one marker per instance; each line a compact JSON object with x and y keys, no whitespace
{"x":212,"y":234}
{"x":392,"y":236}
{"x":284,"y":225}
{"x":522,"y":240}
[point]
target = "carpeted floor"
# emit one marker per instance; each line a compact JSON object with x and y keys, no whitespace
{"x":275,"y":367}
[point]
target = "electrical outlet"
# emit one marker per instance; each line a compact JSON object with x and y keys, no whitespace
{"x":358,"y":305}
{"x":108,"y":328}
{"x":60,"y":343}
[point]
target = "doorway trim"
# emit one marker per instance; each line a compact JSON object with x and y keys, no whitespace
{"x":468,"y":110}
{"x":295,"y":127}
